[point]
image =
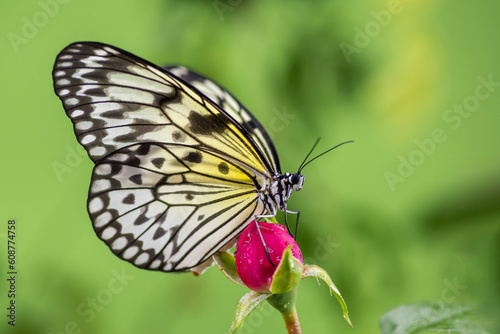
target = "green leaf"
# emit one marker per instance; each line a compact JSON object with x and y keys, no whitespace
{"x":245,"y":305}
{"x":315,"y":271}
{"x":288,"y":273}
{"x":430,"y":317}
{"x":227,"y":264}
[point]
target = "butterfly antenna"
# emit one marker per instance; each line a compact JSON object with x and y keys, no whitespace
{"x":316,"y":157}
{"x":308,"y":154}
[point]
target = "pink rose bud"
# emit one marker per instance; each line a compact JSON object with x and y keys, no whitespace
{"x":252,"y":263}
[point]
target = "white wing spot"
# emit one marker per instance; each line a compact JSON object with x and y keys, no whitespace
{"x":110,"y":50}
{"x":71,"y":101}
{"x":231,"y":101}
{"x":130,"y":252}
{"x":214,"y":87}
{"x":60,"y":74}
{"x":88,"y":139}
{"x":62,"y":82}
{"x":66,"y":57}
{"x":95,"y":205}
{"x":84,"y":125}
{"x":76,"y":113}
{"x":63,"y":92}
{"x":120,"y":157}
{"x":155,"y":265}
{"x":179,"y":71}
{"x":96,"y":151}
{"x":119,"y":243}
{"x":142,"y":259}
{"x":100,"y":185}
{"x":100,"y":53}
{"x":109,"y":233}
{"x":103,"y":170}
{"x":246,"y":117}
{"x":66,"y":64}
{"x":103,"y":219}
{"x":82,"y":71}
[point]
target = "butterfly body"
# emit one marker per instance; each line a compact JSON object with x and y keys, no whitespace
{"x":181,"y":167}
{"x":279,"y":190}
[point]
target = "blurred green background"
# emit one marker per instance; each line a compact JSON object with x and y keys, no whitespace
{"x":409,"y":212}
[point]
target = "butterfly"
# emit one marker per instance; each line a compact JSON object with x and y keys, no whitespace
{"x":181,"y":167}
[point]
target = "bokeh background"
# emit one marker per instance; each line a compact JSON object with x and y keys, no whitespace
{"x":408,"y":213}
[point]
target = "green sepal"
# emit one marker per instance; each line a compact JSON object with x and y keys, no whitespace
{"x":315,"y":271}
{"x":227,"y":264}
{"x":244,"y":306}
{"x":284,"y":302}
{"x":271,"y":220}
{"x":288,"y":273}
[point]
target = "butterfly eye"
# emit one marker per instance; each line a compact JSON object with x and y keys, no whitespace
{"x":295,"y":179}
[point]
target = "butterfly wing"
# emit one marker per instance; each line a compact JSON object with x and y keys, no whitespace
{"x":176,"y":178}
{"x":220,"y":96}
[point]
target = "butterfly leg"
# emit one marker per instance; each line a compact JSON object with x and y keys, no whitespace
{"x":260,"y":234}
{"x":296,"y":223}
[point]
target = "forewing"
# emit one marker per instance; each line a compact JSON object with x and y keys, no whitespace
{"x":116,"y":99}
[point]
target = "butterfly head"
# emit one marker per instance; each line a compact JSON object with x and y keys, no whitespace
{"x":296,"y":181}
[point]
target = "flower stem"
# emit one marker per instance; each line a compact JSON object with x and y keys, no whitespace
{"x":285,"y":303}
{"x":292,"y":322}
